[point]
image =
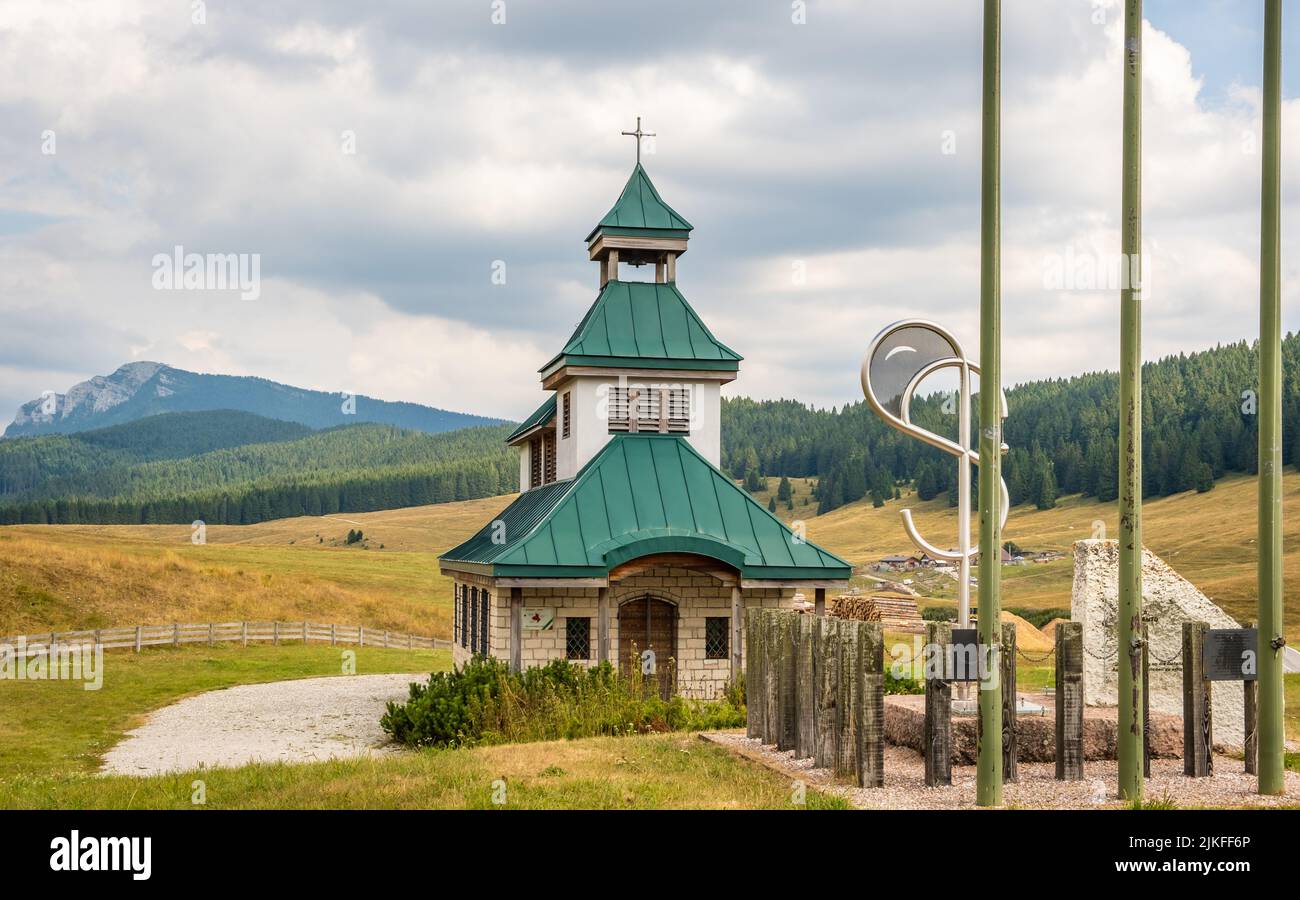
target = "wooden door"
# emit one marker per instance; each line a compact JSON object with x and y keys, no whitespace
{"x":648,"y":623}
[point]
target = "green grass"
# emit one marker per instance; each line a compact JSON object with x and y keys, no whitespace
{"x":645,"y":772}
{"x":56,"y":731}
{"x":57,"y":728}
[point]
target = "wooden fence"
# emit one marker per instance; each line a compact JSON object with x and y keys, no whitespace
{"x":815,"y":685}
{"x":138,"y":636}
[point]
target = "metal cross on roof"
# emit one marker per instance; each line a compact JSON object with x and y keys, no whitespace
{"x":638,"y":134}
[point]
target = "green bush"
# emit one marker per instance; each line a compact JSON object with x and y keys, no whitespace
{"x":904,"y":685}
{"x":486,"y":703}
{"x":939,"y":614}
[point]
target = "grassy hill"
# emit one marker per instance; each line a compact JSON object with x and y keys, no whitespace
{"x":390,"y":578}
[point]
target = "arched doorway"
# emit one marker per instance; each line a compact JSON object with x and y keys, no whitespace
{"x":649,"y":623}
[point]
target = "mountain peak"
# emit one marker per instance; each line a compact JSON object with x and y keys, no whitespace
{"x":145,"y":388}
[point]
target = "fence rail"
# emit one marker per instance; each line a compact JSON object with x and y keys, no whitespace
{"x":139,"y":636}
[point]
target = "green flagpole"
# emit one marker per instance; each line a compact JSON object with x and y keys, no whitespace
{"x":1129,"y":659}
{"x":988,"y":790}
{"x":1269,"y":655}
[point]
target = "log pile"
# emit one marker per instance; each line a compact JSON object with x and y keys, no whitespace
{"x":894,"y":612}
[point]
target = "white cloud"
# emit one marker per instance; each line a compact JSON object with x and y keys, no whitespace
{"x":817,"y":143}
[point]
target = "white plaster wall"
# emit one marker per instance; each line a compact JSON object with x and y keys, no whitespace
{"x":590,"y":420}
{"x":1168,"y":600}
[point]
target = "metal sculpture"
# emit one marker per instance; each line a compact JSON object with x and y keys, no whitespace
{"x":899,"y":359}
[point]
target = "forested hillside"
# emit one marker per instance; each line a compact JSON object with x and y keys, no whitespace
{"x":1199,"y":423}
{"x":234,"y":468}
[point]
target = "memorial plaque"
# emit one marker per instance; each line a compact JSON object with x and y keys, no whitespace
{"x":1229,"y":654}
{"x":963,"y":658}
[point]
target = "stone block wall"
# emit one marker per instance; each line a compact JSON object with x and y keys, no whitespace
{"x":696,"y":597}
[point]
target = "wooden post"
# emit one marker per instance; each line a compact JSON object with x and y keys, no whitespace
{"x":938,"y":707}
{"x":846,"y":757}
{"x":805,"y":687}
{"x":211,"y":627}
{"x":138,"y":636}
{"x":1007,"y":674}
{"x":361,"y":635}
{"x":1069,"y":701}
{"x":737,"y":634}
{"x":1251,"y":707}
{"x":869,"y":696}
{"x":826,"y":667}
{"x":602,"y":623}
{"x":753,"y":673}
{"x":819,"y":604}
{"x":788,"y":699}
{"x":97,"y":638}
{"x":334,"y":633}
{"x":305,"y":628}
{"x":275,"y":633}
{"x":1146,"y":703}
{"x":176,"y":634}
{"x":771,"y":666}
{"x":1251,"y":704}
{"x":1198,"y":727}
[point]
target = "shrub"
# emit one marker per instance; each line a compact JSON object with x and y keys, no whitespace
{"x":904,"y":685}
{"x":486,"y":703}
{"x":939,"y":614}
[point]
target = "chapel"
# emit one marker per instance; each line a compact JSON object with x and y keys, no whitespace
{"x":628,"y":543}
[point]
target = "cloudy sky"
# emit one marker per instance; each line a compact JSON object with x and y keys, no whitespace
{"x":379,"y":158}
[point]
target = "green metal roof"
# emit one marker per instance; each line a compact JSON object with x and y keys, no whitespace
{"x":642,"y":494}
{"x":543,"y":414}
{"x":637,"y":324}
{"x":640,"y":207}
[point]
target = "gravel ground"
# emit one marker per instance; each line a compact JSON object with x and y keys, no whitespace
{"x":1037,"y":789}
{"x":291,"y":721}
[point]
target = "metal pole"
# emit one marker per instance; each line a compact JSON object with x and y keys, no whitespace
{"x":1129,"y":738}
{"x":1271,"y":640}
{"x":963,"y":505}
{"x":988,"y":790}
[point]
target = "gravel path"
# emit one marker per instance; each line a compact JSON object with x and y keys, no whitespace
{"x":291,"y":721}
{"x":1037,"y":789}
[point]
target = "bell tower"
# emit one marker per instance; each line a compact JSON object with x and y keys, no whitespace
{"x":641,"y":229}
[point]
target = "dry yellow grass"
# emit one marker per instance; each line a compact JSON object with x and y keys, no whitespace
{"x":101,"y":575}
{"x":1208,"y":538}
{"x":96,"y":576}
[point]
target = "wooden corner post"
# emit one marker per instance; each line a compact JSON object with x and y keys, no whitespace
{"x":827,"y":670}
{"x":1198,"y":726}
{"x":1069,"y":701}
{"x":869,"y":697}
{"x":938,"y":705}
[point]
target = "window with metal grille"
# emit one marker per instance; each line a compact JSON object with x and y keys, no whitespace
{"x":535,"y":462}
{"x":548,"y":442}
{"x":473,"y":619}
{"x":717,"y":631}
{"x":464,"y":615}
{"x":666,"y":410}
{"x":577,"y":638}
{"x":483,"y":622}
{"x":567,"y":415}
